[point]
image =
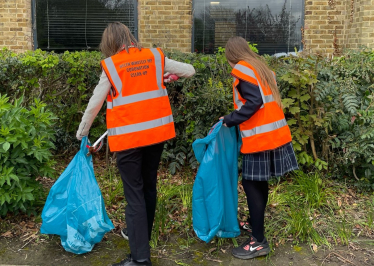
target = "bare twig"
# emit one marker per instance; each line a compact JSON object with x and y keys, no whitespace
{"x":61,"y":92}
{"x":219,"y":261}
{"x":370,"y":105}
{"x":25,"y":244}
{"x":354,"y":173}
{"x":10,"y":247}
{"x":340,"y":257}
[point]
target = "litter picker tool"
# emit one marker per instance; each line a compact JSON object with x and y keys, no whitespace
{"x":97,"y":145}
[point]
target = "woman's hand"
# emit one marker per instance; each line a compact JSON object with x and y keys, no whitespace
{"x":221,"y":118}
{"x":168,"y":77}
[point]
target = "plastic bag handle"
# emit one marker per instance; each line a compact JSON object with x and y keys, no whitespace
{"x":213,"y":127}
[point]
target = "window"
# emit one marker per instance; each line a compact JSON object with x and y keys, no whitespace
{"x":78,"y":24}
{"x":274,"y":25}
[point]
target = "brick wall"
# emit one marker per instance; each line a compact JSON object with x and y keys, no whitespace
{"x":166,"y":24}
{"x":15,"y":25}
{"x":330,"y":25}
{"x":360,"y":30}
{"x":333,"y":25}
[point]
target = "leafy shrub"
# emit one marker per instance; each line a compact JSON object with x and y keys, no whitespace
{"x":346,"y":94}
{"x":197,"y":104}
{"x":63,"y":81}
{"x":329,"y":103}
{"x":26,"y":139}
{"x":330,"y":106}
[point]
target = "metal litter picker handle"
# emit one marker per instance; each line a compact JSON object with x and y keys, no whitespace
{"x":95,"y":148}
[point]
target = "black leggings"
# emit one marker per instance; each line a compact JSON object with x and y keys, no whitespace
{"x":257,"y":198}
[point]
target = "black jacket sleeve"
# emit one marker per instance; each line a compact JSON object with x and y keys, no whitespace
{"x":252,"y":94}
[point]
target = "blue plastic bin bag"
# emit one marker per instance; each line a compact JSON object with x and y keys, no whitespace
{"x":215,"y":194}
{"x":75,"y":207}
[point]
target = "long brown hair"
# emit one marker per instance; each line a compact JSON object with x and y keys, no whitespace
{"x":117,"y":37}
{"x":237,"y":49}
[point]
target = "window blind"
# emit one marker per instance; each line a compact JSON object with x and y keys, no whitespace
{"x":274,"y":25}
{"x":79,"y":24}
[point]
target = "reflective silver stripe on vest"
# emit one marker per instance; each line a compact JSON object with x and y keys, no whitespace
{"x":113,"y":74}
{"x":249,"y":72}
{"x":140,"y":126}
{"x":264,"y":128}
{"x":139,"y":97}
{"x":246,"y":71}
{"x":238,"y":102}
{"x":269,"y":98}
{"x":158,"y":63}
{"x":122,"y":100}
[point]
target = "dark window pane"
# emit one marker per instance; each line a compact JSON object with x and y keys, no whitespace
{"x":275,"y":25}
{"x":79,"y":24}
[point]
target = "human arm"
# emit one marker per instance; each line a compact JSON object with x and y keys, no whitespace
{"x":94,"y":105}
{"x":251,"y":93}
{"x":180,"y":69}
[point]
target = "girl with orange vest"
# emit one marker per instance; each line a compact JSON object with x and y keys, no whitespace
{"x":139,"y":121}
{"x":266,"y":138}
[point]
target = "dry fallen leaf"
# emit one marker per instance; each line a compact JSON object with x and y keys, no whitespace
{"x":7,"y":234}
{"x":211,"y":250}
{"x":30,"y":225}
{"x":314,"y":247}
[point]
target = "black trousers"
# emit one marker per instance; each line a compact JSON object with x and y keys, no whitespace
{"x":138,"y":168}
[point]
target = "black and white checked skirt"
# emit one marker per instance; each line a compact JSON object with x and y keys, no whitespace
{"x":261,"y":166}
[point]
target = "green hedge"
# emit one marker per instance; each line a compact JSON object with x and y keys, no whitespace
{"x":329,"y":103}
{"x":26,"y":137}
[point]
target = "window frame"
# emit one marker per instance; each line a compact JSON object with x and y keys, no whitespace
{"x":193,"y":24}
{"x":34,"y":27}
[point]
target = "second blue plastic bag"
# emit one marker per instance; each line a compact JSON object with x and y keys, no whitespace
{"x":215,"y":194}
{"x":75,"y":207}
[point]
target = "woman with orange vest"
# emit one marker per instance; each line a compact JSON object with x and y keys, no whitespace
{"x":139,"y":121}
{"x":266,"y":138}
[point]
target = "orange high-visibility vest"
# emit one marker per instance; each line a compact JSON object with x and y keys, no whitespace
{"x":267,"y":129}
{"x":138,"y":107}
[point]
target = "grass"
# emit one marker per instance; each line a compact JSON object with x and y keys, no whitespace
{"x":309,"y":189}
{"x":370,"y":214}
{"x":304,"y":208}
{"x":307,"y":208}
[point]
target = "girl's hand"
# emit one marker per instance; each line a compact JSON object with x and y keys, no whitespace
{"x":221,"y":118}
{"x":170,"y":77}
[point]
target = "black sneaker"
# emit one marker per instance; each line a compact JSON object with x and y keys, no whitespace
{"x":124,"y":233}
{"x":245,"y":226}
{"x":251,"y":248}
{"x":130,"y":262}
